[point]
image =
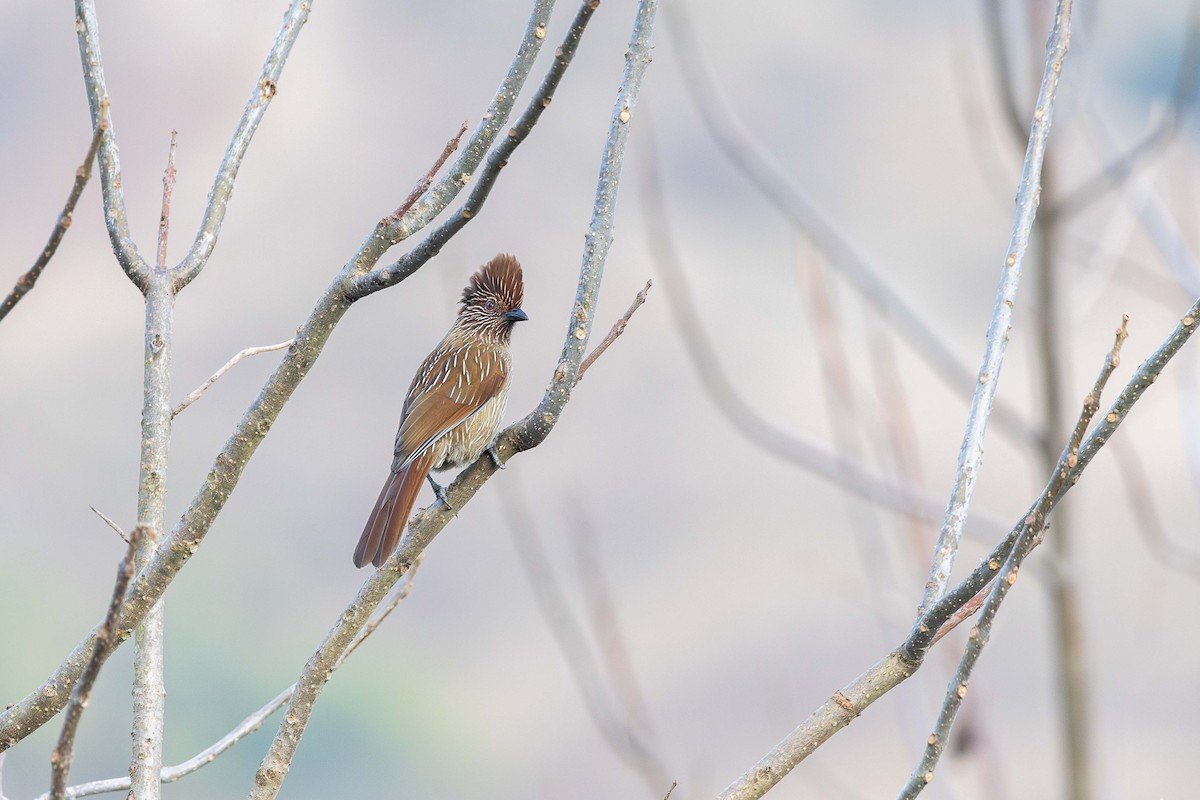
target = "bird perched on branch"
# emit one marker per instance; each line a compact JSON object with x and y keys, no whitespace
{"x":453,"y":408}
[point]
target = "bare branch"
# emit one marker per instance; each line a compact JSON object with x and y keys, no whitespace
{"x":25,"y":282}
{"x":164,"y":219}
{"x":670,"y":791}
{"x":1149,"y":523}
{"x":1030,"y":532}
{"x":1002,"y":68}
{"x":970,"y":456}
{"x":246,"y":727}
{"x":617,"y":329}
{"x":202,"y":388}
{"x":773,"y":183}
{"x":111,"y":524}
{"x":106,"y":637}
{"x":385,"y":276}
{"x":256,"y":107}
{"x":522,"y":436}
{"x":425,"y":182}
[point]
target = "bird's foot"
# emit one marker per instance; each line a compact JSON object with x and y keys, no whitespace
{"x":491,"y":451}
{"x":439,"y":490}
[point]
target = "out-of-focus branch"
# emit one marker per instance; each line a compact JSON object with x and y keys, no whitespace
{"x":230,"y":364}
{"x":618,"y":730}
{"x":1030,"y":534}
{"x":970,"y":456}
{"x":771,"y":180}
{"x":900,"y":664}
{"x":1162,"y":132}
{"x":25,"y":716}
{"x":1147,"y":520}
{"x":106,"y":636}
{"x":524,"y":435}
{"x":246,"y":727}
{"x":25,"y":282}
{"x":617,"y":329}
{"x":721,"y":388}
{"x":993,"y":28}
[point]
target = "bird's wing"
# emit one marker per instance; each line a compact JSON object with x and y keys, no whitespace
{"x":451,"y":385}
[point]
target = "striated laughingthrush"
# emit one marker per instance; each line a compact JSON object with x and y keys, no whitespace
{"x":453,"y":408}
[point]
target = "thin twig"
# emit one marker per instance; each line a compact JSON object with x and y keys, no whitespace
{"x":164,"y":220}
{"x":25,"y":282}
{"x":970,"y":456}
{"x":106,"y":636}
{"x":111,"y":524}
{"x":230,"y":364}
{"x":617,"y":329}
{"x":670,"y":791}
{"x":243,"y":729}
{"x":524,"y":435}
{"x":772,"y":181}
{"x":425,"y":182}
{"x":1027,"y":539}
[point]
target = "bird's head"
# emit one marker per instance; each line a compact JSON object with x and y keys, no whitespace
{"x":491,"y":303}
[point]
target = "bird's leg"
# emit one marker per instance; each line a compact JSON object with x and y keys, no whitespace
{"x":438,"y":490}
{"x":491,"y":451}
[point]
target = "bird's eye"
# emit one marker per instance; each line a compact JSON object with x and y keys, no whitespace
{"x":490,"y":305}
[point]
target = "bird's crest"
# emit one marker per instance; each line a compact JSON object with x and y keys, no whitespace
{"x":500,"y":278}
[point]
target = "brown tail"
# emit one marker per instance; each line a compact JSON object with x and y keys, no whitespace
{"x":391,"y":512}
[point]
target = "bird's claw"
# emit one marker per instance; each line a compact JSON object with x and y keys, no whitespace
{"x":440,"y":491}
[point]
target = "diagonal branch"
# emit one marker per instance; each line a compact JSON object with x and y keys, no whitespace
{"x":524,"y":435}
{"x":256,"y":107}
{"x":26,"y":281}
{"x":1030,"y":534}
{"x":970,"y":457}
{"x":106,"y":637}
{"x":230,"y":364}
{"x":851,"y":700}
{"x":243,"y":729}
{"x":617,"y":329}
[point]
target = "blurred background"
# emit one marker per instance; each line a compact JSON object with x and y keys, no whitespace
{"x":745,"y":589}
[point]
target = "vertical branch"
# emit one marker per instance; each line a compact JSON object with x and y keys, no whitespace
{"x":149,"y":690}
{"x":970,"y":457}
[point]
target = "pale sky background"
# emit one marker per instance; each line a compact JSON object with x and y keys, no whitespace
{"x":741,"y":588}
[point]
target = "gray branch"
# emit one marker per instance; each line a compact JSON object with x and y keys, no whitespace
{"x":970,"y":457}
{"x":522,"y":436}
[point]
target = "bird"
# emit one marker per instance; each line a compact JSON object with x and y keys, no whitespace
{"x":454,"y":404}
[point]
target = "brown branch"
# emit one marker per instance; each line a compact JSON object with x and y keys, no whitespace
{"x":25,"y":282}
{"x":106,"y":637}
{"x":164,"y":220}
{"x":427,"y":181}
{"x":617,"y":329}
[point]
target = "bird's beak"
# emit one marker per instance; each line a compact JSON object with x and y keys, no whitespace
{"x":516,"y":315}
